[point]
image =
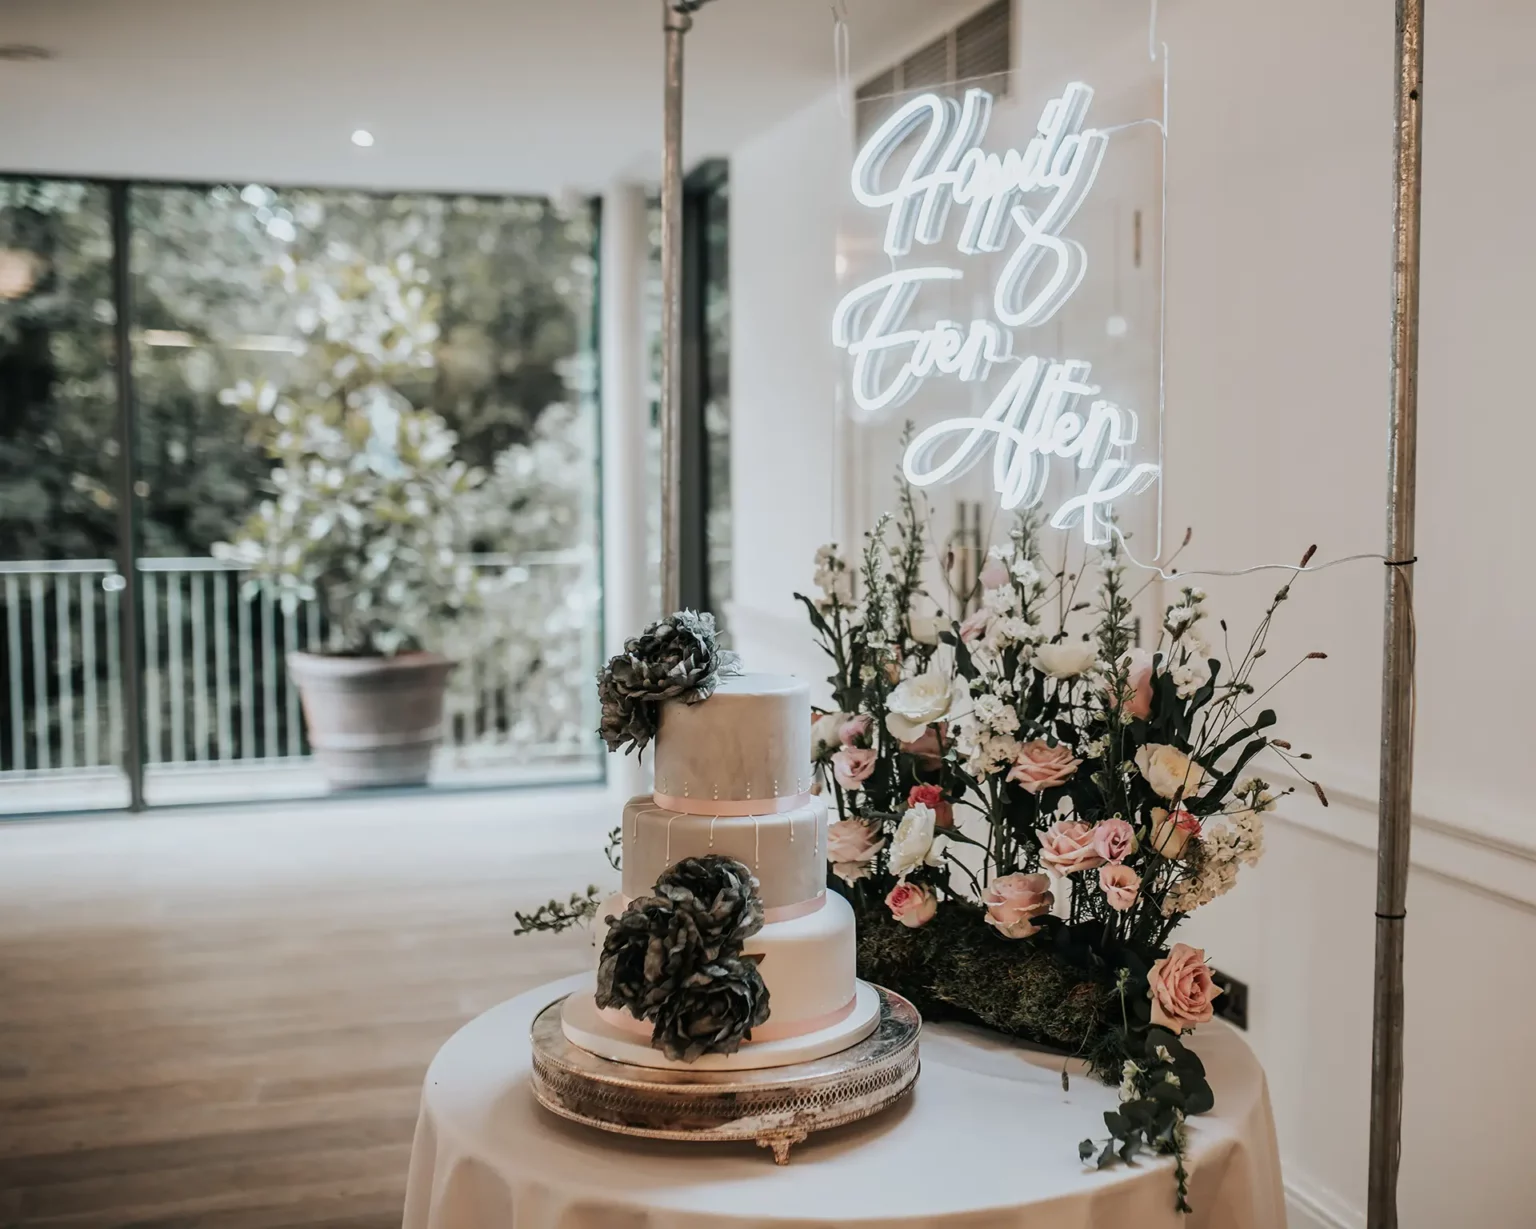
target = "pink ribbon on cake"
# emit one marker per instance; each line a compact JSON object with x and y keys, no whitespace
{"x":731,"y":808}
{"x":763,"y":1032}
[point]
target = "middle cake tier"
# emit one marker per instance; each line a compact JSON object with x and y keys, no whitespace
{"x":786,"y":852}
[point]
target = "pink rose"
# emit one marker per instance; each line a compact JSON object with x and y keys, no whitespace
{"x":1067,"y":846}
{"x":975,"y":625}
{"x":1138,"y":702}
{"x":1181,"y":988}
{"x":1014,"y":902}
{"x":912,"y":905}
{"x":851,"y":849}
{"x":994,"y":575}
{"x":1039,"y":765}
{"x":853,"y":730}
{"x":1120,"y":884}
{"x":1114,"y":839}
{"x":852,"y":766}
{"x":926,"y":747}
{"x":1172,"y":831}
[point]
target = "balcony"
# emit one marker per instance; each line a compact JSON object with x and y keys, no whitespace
{"x":220,"y":720}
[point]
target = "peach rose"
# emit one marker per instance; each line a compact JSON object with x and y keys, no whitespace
{"x":852,"y":766}
{"x":1181,"y":988}
{"x":1120,"y":884}
{"x":1038,"y":766}
{"x":853,"y":729}
{"x":1138,"y":702}
{"x":912,"y":905}
{"x":826,"y":731}
{"x":1172,"y":831}
{"x":1067,"y":846}
{"x":975,"y":625}
{"x":1014,"y":902}
{"x":1169,"y":771}
{"x":851,"y":849}
{"x":1114,"y":839}
{"x":994,"y":575}
{"x":926,"y":748}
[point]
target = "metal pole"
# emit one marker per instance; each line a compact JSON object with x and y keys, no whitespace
{"x":128,"y":606}
{"x":1397,"y":691}
{"x":678,"y":20}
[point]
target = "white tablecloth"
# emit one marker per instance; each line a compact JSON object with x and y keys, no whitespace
{"x":987,"y":1139}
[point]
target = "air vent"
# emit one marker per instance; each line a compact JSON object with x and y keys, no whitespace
{"x":978,"y":51}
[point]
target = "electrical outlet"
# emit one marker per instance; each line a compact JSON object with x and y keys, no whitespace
{"x":1232,"y":1003}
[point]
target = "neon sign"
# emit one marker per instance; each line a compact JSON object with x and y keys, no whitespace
{"x":1047,"y":411}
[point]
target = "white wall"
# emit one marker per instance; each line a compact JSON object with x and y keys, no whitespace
{"x":1279,"y":276}
{"x":1280,"y":261}
{"x":784,"y":479}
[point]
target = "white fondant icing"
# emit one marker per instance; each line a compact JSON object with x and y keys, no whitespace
{"x":750,"y":740}
{"x":787,"y":871}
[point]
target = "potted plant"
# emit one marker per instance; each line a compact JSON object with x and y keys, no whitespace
{"x":362,"y":518}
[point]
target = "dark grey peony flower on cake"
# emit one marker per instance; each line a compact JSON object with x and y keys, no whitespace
{"x":720,"y":897}
{"x":650,"y":950}
{"x":676,"y":658}
{"x":713,"y":1012}
{"x":674,"y":959}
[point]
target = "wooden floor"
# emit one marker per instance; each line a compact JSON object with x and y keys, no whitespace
{"x":221,"y":1020}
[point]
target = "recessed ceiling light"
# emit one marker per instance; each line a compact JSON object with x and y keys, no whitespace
{"x":362,"y":138}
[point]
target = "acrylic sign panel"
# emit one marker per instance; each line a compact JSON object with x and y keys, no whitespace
{"x":1000,"y":264}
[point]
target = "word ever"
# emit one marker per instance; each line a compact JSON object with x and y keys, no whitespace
{"x":1024,"y":198}
{"x":867,"y":325}
{"x":1033,"y":419}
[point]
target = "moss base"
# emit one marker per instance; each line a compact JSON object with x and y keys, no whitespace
{"x":959,"y":968}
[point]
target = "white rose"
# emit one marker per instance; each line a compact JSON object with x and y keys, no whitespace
{"x":912,"y":846}
{"x":1169,"y":772}
{"x":915,"y":704}
{"x":825,"y":731}
{"x":1067,"y":659}
{"x":926,"y":628}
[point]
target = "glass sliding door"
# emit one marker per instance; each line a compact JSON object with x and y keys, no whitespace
{"x":62,"y":717}
{"x":250,"y":294}
{"x":229,"y":298}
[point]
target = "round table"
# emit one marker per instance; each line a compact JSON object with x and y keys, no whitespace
{"x":987,"y":1139}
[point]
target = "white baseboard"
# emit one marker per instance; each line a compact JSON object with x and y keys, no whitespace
{"x":1308,"y":1206}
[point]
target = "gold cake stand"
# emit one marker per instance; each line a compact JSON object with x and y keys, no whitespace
{"x":777,"y":1107}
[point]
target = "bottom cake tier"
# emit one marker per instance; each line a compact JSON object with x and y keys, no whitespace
{"x":596,"y":1032}
{"x":807,"y":963}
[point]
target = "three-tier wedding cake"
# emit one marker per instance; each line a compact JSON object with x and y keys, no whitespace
{"x":733,"y":786}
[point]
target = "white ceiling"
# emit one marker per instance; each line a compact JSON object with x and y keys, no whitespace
{"x":519,"y":95}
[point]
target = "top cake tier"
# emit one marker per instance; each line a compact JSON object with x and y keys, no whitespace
{"x":749,"y":743}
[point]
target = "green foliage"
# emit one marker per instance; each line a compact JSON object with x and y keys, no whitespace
{"x":556,"y":916}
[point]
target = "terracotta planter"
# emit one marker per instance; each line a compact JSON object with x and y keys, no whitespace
{"x":372,"y":721}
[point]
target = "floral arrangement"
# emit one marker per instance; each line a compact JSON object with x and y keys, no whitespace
{"x":1029,"y":803}
{"x":675,"y":959}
